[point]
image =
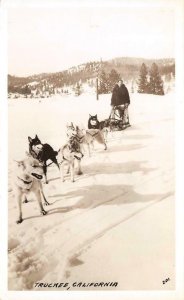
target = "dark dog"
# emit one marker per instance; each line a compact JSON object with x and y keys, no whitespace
{"x":42,"y":152}
{"x":93,"y":123}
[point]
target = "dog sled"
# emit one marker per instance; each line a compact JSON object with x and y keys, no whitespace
{"x":118,"y":119}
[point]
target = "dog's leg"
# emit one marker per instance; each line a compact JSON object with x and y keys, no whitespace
{"x":19,"y":199}
{"x":92,"y":145}
{"x":72,"y":171}
{"x":38,"y":197}
{"x":62,"y":173}
{"x":68,"y":170}
{"x":105,"y":134}
{"x":79,"y":172}
{"x":45,"y":172}
{"x":102,"y":139}
{"x":25,"y":200}
{"x":44,"y":198}
{"x":89,"y":152}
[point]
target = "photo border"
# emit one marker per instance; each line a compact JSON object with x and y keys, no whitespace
{"x":176,"y":294}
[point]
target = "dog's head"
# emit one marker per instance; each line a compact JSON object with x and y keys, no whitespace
{"x":70,"y":130}
{"x":35,"y":144}
{"x":80,"y":132}
{"x":29,"y":168}
{"x":93,"y":120}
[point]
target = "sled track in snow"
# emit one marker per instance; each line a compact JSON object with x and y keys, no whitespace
{"x":84,"y":235}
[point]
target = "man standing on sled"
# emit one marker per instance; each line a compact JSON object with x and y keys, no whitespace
{"x":120,"y":100}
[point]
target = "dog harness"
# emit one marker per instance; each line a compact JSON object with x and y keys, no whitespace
{"x":92,"y":134}
{"x":26,"y":183}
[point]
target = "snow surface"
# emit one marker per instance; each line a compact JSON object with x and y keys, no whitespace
{"x":116,"y":222}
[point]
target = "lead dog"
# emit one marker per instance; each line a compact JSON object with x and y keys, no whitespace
{"x":42,"y":152}
{"x":26,"y":179}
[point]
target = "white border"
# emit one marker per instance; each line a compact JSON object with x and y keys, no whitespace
{"x":178,"y":293}
{"x":3,"y":153}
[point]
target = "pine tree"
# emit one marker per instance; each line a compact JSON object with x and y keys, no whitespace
{"x":155,"y":83}
{"x":103,"y":83}
{"x":143,"y":79}
{"x":113,"y":78}
{"x":78,"y":89}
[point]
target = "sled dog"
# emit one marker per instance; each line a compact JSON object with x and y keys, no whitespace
{"x":68,"y":154}
{"x":94,"y":123}
{"x":42,"y":152}
{"x":89,"y":136}
{"x":27,"y":177}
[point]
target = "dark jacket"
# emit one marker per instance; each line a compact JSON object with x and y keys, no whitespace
{"x":115,"y":95}
{"x":120,"y":95}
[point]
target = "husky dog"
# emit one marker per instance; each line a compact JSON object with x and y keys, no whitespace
{"x":89,"y":136}
{"x":94,"y":123}
{"x":42,"y":152}
{"x":27,"y":178}
{"x":68,"y":154}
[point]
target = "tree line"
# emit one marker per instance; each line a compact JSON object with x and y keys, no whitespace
{"x":149,"y":81}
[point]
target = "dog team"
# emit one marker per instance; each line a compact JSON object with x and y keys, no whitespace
{"x":29,"y":172}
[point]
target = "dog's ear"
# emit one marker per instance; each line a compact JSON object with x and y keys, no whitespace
{"x":89,"y":115}
{"x":30,"y":139}
{"x":77,"y":127}
{"x":36,"y":137}
{"x":96,"y":116}
{"x":19,"y":162}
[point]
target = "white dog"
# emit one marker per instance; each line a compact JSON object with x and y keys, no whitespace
{"x":27,"y":178}
{"x":68,"y":154}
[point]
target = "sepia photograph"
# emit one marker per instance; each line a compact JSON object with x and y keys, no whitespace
{"x":91,"y":96}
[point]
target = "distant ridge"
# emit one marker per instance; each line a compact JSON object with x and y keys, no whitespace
{"x":127,"y":67}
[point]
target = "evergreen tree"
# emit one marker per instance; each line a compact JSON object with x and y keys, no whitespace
{"x":113,"y":78}
{"x":78,"y":89}
{"x":155,"y":83}
{"x":103,"y":83}
{"x":143,"y":79}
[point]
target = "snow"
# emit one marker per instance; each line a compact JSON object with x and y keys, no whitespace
{"x":116,"y":222}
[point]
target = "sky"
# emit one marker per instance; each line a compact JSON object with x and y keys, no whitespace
{"x":54,"y":39}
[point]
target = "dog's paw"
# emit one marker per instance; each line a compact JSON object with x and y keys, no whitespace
{"x":19,"y":221}
{"x":79,"y":173}
{"x":25,"y":201}
{"x":43,"y":212}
